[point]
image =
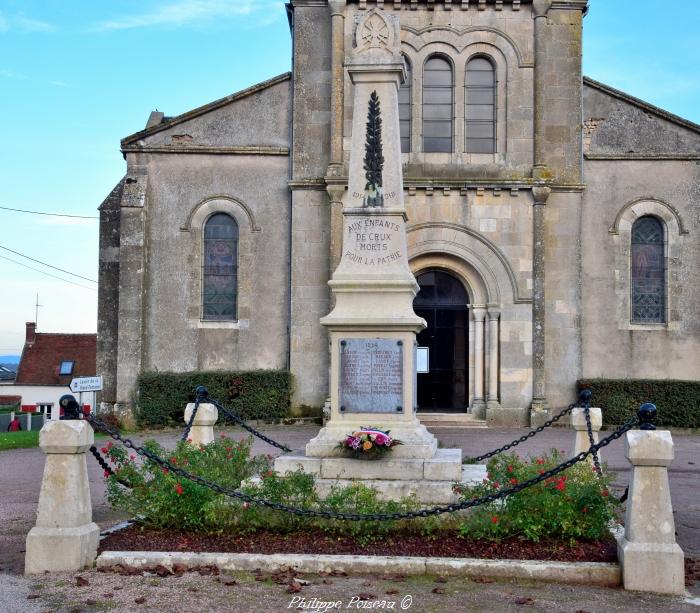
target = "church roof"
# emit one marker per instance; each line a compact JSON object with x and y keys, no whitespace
{"x":645,"y":106}
{"x":169,"y":122}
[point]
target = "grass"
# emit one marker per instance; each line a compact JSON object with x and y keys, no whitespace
{"x":24,"y":439}
{"x":18,"y":440}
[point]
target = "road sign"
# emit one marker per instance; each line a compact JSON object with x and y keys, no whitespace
{"x":86,"y":384}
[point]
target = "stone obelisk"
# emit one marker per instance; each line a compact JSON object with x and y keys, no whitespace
{"x":373,"y":326}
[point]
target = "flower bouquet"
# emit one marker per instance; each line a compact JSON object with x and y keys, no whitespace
{"x":368,"y":443}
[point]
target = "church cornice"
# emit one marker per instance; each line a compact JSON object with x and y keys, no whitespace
{"x":245,"y":150}
{"x":447,"y":5}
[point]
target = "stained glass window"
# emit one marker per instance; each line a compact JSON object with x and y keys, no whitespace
{"x":437,"y":105}
{"x":220,"y":268}
{"x":405,"y":110}
{"x":480,"y":110}
{"x":648,"y":271}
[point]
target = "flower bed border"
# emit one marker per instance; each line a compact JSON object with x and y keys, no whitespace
{"x":582,"y":573}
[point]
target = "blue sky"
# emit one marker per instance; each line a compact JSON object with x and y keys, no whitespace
{"x":76,"y":76}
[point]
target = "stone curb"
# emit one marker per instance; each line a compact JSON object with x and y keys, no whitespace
{"x":584,"y":573}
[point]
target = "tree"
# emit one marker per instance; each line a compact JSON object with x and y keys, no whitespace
{"x":374,"y":160}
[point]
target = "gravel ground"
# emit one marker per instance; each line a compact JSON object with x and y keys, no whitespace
{"x":20,"y":479}
{"x":196,"y":594}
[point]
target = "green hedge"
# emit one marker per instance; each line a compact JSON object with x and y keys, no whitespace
{"x":258,"y":394}
{"x":678,"y":402}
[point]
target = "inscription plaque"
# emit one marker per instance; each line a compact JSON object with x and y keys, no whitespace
{"x":371,"y":375}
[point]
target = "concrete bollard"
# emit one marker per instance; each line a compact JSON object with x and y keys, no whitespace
{"x":578,"y":423}
{"x":65,"y":537}
{"x":651,"y":559}
{"x":202,"y":432}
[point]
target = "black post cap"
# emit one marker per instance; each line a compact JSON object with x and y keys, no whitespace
{"x":585,"y":396}
{"x":201,"y":392}
{"x":647,"y":416}
{"x":71,"y":409}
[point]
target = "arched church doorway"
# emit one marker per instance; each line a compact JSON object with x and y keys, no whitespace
{"x":443,"y":302}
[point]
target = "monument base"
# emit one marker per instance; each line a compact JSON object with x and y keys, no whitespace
{"x":430,"y":480}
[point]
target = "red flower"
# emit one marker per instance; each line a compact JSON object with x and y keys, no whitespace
{"x":222,"y":435}
{"x":165,"y":471}
{"x":173,"y":460}
{"x":178,"y":489}
{"x":514,"y":481}
{"x":106,"y":474}
{"x":510,"y":469}
{"x":104,"y":450}
{"x":561,"y":486}
{"x":110,"y":445}
{"x":189,"y":440}
{"x":229,"y":448}
{"x":605,"y":493}
{"x":132,"y":457}
{"x":496,"y":485}
{"x":584,"y":510}
{"x":540,"y":461}
{"x":494,"y":519}
{"x":541,"y":471}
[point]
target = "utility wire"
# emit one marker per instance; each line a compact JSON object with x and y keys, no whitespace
{"x":45,"y":264}
{"x":48,"y":274}
{"x":7,"y":208}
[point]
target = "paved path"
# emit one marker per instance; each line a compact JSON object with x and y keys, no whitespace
{"x":21,"y":471}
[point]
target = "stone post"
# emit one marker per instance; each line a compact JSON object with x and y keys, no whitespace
{"x":479,"y":404}
{"x":202,"y":432}
{"x":651,"y":559}
{"x":64,"y":538}
{"x":578,"y":423}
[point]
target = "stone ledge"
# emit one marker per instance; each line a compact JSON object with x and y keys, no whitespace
{"x":582,"y":573}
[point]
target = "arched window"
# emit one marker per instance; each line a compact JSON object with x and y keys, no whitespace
{"x":437,"y":105}
{"x":220,"y":268}
{"x":405,"y":109}
{"x":480,"y":111}
{"x":648,"y":271}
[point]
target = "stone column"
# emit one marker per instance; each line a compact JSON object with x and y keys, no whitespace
{"x":539,"y":10}
{"x":651,"y":559}
{"x":202,"y":432}
{"x":493,"y":315}
{"x":64,"y":538}
{"x":335,"y":194}
{"x":540,"y":195}
{"x":479,"y":404}
{"x":578,"y":423}
{"x":337,"y":84}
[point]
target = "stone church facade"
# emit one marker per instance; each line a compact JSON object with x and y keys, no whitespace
{"x":552,"y":219}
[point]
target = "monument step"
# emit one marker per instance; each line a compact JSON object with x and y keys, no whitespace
{"x":450,"y":420}
{"x":445,"y":465}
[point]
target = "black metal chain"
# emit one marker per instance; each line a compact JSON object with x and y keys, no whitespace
{"x":234,"y":418}
{"x":465,"y":504}
{"x":188,"y":426}
{"x":591,"y":441}
{"x":524,"y":437}
{"x":107,"y":468}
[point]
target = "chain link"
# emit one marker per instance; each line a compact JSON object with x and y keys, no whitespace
{"x":234,"y":418}
{"x":524,"y":437}
{"x":439,"y":510}
{"x":591,"y":441}
{"x":107,"y":468}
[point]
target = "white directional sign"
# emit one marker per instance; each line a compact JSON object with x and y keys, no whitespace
{"x":86,"y":384}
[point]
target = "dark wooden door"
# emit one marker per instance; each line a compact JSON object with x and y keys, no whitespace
{"x":442,"y":302}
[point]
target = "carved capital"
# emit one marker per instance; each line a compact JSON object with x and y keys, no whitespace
{"x":377,"y":33}
{"x":541,"y":7}
{"x":337,"y":7}
{"x":541,"y":193}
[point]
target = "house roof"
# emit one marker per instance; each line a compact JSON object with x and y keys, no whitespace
{"x":168,"y":122}
{"x":41,"y":359}
{"x":7,"y":374}
{"x":649,"y":108}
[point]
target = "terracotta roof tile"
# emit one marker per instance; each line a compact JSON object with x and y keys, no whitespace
{"x":42,"y":359}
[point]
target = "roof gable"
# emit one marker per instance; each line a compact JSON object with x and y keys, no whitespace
{"x":40,"y":361}
{"x":258,"y":115}
{"x":621,"y":124}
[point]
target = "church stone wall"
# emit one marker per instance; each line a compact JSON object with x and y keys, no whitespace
{"x":612,"y":346}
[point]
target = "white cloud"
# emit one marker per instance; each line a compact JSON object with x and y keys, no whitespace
{"x":191,"y":12}
{"x":24,"y":24}
{"x":9,"y":74}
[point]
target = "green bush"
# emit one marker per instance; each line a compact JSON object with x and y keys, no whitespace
{"x":575,"y":504}
{"x":164,"y":500}
{"x":678,"y":402}
{"x":258,"y":394}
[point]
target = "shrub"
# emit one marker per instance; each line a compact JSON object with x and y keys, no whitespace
{"x":258,"y":394}
{"x":678,"y":402}
{"x":572,"y":505}
{"x":163,"y":500}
